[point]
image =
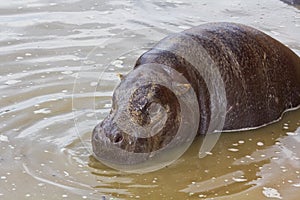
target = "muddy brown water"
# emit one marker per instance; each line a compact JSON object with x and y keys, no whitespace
{"x":58,"y":67}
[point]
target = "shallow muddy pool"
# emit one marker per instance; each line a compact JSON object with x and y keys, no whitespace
{"x":59,"y":63}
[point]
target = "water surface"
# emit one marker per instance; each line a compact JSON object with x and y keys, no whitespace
{"x":59,"y":63}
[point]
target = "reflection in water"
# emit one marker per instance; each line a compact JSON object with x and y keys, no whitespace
{"x":292,"y":2}
{"x":45,"y":46}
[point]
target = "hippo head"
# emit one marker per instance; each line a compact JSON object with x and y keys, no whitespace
{"x":145,"y":118}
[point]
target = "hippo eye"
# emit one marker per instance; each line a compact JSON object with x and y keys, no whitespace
{"x":117,"y":138}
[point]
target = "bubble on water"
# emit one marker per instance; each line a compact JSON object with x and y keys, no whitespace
{"x":93,"y":84}
{"x":292,"y":133}
{"x":19,"y":58}
{"x":12,"y":82}
{"x":66,"y":173}
{"x":241,"y":141}
{"x":271,"y":193}
{"x":285,"y":126}
{"x":260,"y":144}
{"x":296,"y":185}
{"x":68,"y":72}
{"x":3,"y":138}
{"x":28,"y":54}
{"x":118,"y":63}
{"x":42,"y":111}
{"x":108,"y":105}
{"x":233,"y":149}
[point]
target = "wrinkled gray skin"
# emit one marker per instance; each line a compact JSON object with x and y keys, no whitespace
{"x":261,"y":77}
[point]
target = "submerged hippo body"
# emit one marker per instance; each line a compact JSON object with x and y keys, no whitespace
{"x":261,"y":79}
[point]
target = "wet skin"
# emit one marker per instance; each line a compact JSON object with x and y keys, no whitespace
{"x":261,"y":78}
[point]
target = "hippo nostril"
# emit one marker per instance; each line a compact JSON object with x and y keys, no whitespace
{"x":117,"y":138}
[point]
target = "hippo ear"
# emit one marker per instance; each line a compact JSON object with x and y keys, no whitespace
{"x":181,"y":88}
{"x":121,"y":76}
